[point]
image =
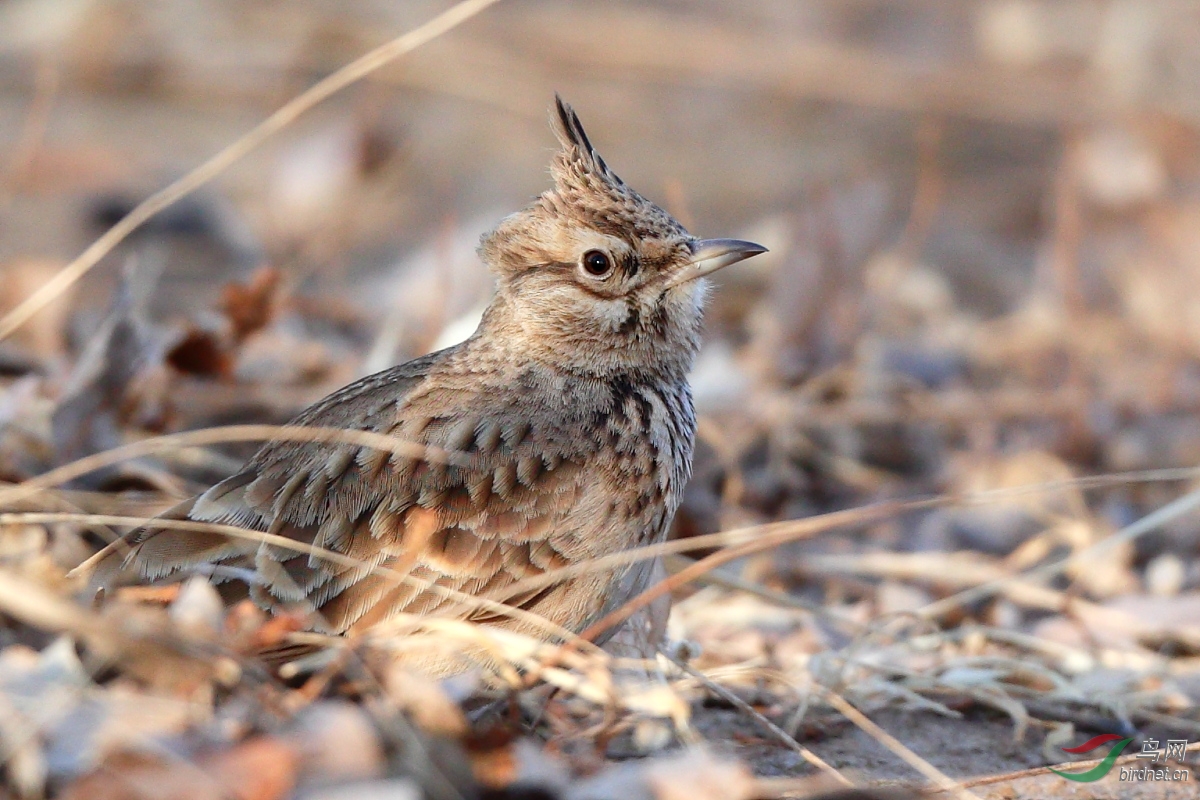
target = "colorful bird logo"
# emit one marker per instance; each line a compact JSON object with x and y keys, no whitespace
{"x":1100,"y":770}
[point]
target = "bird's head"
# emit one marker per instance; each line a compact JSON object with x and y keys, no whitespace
{"x":597,"y":277}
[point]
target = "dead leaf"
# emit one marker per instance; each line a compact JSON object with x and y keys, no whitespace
{"x":259,"y":769}
{"x":140,"y":776}
{"x":250,"y":306}
{"x":200,"y":352}
{"x":45,"y":333}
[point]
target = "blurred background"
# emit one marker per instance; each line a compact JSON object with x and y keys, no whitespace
{"x":984,"y":223}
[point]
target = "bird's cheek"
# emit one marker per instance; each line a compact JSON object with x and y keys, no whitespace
{"x":690,"y":296}
{"x":607,"y":316}
{"x":558,"y":315}
{"x":583,"y":315}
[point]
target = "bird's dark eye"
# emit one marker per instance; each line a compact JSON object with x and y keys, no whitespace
{"x":597,"y":263}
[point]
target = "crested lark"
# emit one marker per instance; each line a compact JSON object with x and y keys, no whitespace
{"x":570,"y":404}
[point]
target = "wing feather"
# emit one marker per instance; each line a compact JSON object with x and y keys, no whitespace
{"x":477,"y":528}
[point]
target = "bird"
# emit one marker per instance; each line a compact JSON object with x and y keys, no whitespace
{"x":568,"y":413}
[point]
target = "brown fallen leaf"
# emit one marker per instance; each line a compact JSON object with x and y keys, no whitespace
{"x":250,"y":306}
{"x":160,"y":595}
{"x":274,"y":631}
{"x":45,"y":333}
{"x":141,"y":776}
{"x":258,"y":769}
{"x":203,"y":353}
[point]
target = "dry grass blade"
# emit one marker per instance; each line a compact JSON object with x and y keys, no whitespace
{"x":725,"y":579}
{"x":779,"y":733}
{"x":231,"y":433}
{"x":939,"y":778}
{"x":954,"y":570}
{"x":204,"y":173}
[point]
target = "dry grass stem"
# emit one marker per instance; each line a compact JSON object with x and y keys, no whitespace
{"x":935,"y":775}
{"x":229,"y":433}
{"x":779,"y":733}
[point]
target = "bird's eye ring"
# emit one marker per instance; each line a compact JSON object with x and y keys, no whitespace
{"x":596,"y":263}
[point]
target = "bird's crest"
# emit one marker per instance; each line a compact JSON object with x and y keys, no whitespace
{"x":577,"y":154}
{"x":585,"y":185}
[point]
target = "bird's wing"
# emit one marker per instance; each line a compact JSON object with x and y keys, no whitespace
{"x":395,"y":524}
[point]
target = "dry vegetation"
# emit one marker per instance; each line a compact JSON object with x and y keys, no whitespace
{"x":944,"y":520}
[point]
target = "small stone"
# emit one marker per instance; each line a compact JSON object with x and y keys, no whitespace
{"x":336,"y":741}
{"x":895,"y":598}
{"x":1119,"y":170}
{"x":198,"y":609}
{"x":394,"y":789}
{"x":1165,"y":575}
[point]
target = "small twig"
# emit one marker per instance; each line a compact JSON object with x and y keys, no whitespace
{"x":929,"y":191}
{"x":33,"y":131}
{"x":1068,"y":230}
{"x":939,"y":778}
{"x":776,"y":731}
{"x":772,"y":536}
{"x":1167,"y":721}
{"x":1036,"y":771}
{"x":231,"y":433}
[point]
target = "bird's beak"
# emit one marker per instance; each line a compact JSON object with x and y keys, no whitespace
{"x":710,"y":255}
